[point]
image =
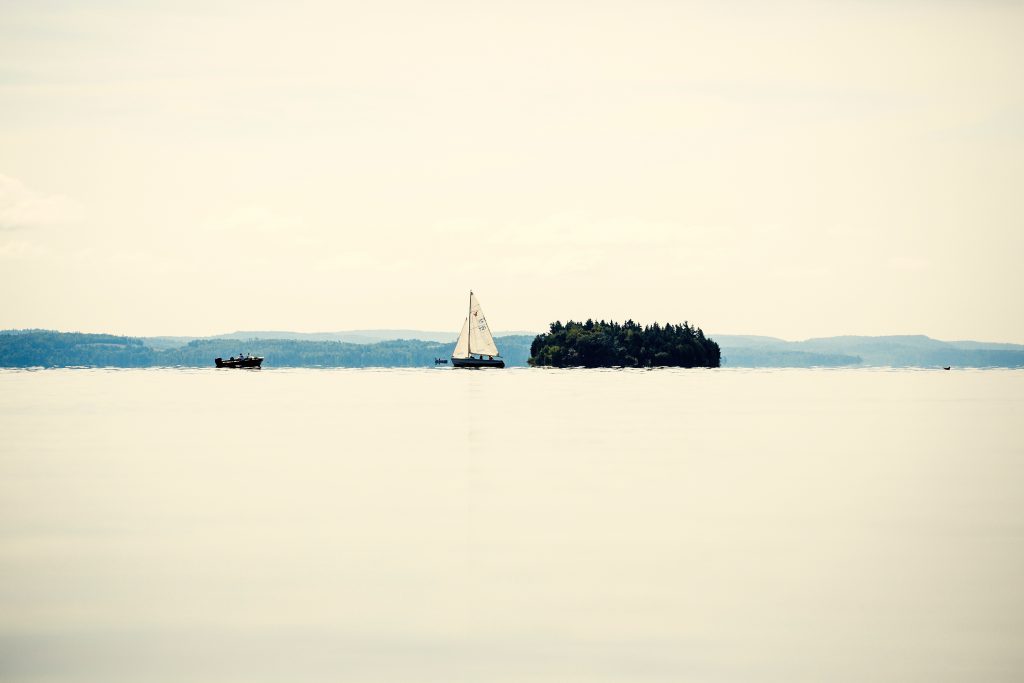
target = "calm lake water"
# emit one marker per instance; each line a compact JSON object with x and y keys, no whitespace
{"x":521,"y":525}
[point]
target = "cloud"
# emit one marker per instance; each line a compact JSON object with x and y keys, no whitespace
{"x":22,"y":207}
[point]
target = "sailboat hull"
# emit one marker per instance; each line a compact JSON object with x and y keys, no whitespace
{"x":477,"y":362}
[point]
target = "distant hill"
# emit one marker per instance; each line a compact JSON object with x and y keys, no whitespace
{"x":43,"y":348}
{"x":350,"y":336}
{"x":892,"y":350}
{"x":745,"y":357}
{"x":40,"y":348}
{"x":162,"y":343}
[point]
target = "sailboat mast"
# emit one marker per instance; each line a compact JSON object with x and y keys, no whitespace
{"x":469,"y":327}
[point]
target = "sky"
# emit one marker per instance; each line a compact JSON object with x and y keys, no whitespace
{"x":782,"y":168}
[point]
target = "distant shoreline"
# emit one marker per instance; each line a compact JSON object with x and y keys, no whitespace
{"x":44,"y":348}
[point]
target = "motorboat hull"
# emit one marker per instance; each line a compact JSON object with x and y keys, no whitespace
{"x":478,"y":362}
{"x":238,"y":362}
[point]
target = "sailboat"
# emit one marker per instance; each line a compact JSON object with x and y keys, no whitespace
{"x":475,"y":348}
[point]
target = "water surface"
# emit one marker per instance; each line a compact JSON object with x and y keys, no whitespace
{"x":522,"y":525}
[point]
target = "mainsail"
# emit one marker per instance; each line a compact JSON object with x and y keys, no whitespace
{"x":480,"y":339}
{"x":475,"y":338}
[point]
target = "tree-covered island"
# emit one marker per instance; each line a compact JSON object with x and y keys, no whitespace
{"x":609,"y":344}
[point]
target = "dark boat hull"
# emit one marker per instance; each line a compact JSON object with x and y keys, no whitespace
{"x":478,"y":363}
{"x":238,"y":362}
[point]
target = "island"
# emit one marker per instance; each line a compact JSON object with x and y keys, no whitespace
{"x":608,"y":344}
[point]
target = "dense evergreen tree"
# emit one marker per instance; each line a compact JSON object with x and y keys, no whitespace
{"x":609,"y":344}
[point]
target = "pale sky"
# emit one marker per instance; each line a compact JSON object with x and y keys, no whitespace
{"x":790,"y":169}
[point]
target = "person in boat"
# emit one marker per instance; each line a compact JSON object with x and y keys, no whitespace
{"x":490,"y":357}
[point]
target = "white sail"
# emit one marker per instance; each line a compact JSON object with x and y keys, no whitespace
{"x":480,"y":339}
{"x":462,"y":346}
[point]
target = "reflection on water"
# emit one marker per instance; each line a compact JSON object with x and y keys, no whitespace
{"x":437,"y":525}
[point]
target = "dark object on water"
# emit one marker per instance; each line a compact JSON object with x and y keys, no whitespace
{"x":946,"y":368}
{"x":440,"y":361}
{"x":240,"y":362}
{"x":478,"y":362}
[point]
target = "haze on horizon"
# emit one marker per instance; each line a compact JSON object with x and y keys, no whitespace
{"x":791,"y":169}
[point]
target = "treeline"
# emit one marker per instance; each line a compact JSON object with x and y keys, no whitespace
{"x":41,"y":348}
{"x":608,"y":344}
{"x":898,"y":351}
{"x":600,"y":344}
{"x":399,"y":353}
{"x":771,"y":358}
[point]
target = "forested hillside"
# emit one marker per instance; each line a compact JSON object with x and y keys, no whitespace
{"x":595,"y":346}
{"x":892,"y":351}
{"x":41,"y":348}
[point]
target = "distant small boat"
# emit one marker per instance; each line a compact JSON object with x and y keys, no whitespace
{"x":440,"y":361}
{"x":240,"y":362}
{"x":946,"y":368}
{"x":475,"y":348}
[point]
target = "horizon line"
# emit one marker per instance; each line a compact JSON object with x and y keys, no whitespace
{"x":502,"y":333}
